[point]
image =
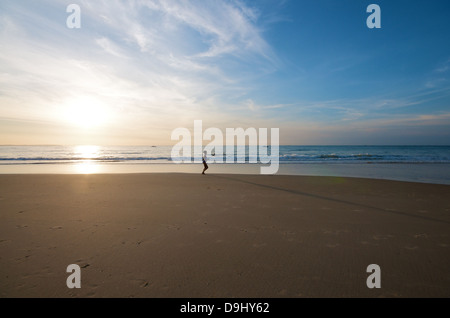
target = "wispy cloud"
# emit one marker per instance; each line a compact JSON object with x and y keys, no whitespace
{"x":443,"y":67}
{"x":439,"y":76}
{"x":156,"y":65}
{"x":149,"y":61}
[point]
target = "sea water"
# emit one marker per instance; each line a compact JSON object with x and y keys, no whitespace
{"x":406,"y":163}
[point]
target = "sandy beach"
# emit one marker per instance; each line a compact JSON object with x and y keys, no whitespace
{"x":245,"y":236}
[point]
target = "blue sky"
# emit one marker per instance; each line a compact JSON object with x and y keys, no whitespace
{"x":137,"y":69}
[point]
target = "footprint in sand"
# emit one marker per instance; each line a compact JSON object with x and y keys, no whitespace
{"x":22,"y":259}
{"x":56,"y":228}
{"x":141,"y":282}
{"x":82,"y":263}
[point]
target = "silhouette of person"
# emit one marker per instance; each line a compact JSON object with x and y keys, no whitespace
{"x":205,"y":165}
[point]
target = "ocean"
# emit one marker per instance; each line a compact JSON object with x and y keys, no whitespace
{"x":410,"y":163}
{"x":162,"y":154}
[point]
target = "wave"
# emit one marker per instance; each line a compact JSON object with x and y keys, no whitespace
{"x":102,"y":159}
{"x":287,"y":154}
{"x":283,"y":159}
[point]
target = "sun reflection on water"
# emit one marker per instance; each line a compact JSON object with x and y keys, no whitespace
{"x":87,"y":152}
{"x":87,"y":155}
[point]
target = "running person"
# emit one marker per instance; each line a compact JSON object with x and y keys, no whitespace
{"x":205,"y":165}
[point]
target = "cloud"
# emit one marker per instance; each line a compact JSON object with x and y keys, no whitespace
{"x":157,"y":65}
{"x":110,"y":47}
{"x":228,"y":28}
{"x":438,"y":78}
{"x":250,"y":104}
{"x":444,"y":67}
{"x":151,"y":62}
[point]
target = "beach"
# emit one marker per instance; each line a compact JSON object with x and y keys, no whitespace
{"x":222,"y":235}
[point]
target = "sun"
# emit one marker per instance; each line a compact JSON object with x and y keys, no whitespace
{"x":86,"y":112}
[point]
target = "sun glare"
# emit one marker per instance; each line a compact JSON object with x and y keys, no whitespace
{"x":87,"y":151}
{"x":87,"y":167}
{"x":86,"y":112}
{"x":87,"y":154}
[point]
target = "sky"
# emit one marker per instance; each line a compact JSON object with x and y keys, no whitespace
{"x":136,"y":70}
